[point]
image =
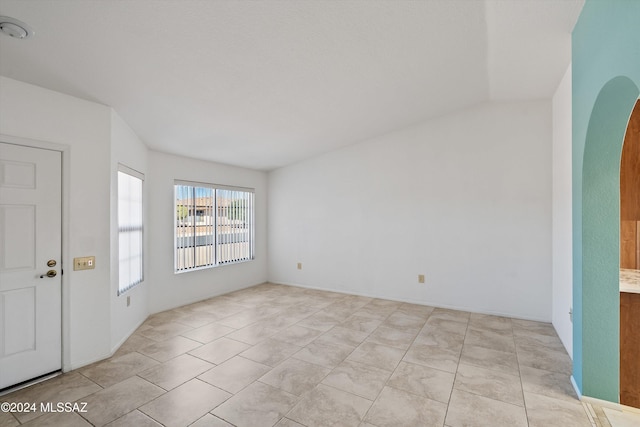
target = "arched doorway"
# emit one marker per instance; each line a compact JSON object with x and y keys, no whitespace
{"x":596,"y":324}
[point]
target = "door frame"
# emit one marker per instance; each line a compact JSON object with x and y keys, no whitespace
{"x":65,"y":151}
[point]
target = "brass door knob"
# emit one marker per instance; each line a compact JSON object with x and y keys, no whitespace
{"x":50,"y":273}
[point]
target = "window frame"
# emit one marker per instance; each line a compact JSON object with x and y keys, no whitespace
{"x":215,"y":262}
{"x":131,"y":173}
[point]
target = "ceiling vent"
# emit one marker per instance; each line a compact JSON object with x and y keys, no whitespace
{"x":14,"y":28}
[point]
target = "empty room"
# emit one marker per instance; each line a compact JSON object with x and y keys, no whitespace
{"x":362,"y":213}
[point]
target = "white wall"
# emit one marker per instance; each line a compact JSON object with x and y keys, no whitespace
{"x":168,"y":290}
{"x":94,"y":139}
{"x":82,"y":129}
{"x":562,"y":272}
{"x":464,"y":199}
{"x":126,"y":149}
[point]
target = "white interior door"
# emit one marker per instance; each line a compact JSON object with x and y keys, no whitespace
{"x":30,"y":237}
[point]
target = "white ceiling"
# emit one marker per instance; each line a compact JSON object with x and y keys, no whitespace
{"x":263,"y":84}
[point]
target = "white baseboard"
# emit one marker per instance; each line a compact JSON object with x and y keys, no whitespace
{"x":412,"y":301}
{"x":575,"y":388}
{"x":610,"y":405}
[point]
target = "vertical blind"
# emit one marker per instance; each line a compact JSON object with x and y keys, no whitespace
{"x":130,"y":229}
{"x":214,"y":225}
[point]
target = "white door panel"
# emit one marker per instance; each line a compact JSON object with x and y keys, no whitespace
{"x":17,"y":223}
{"x":20,"y":321}
{"x":30,"y":236}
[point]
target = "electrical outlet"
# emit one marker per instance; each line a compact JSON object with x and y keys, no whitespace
{"x":420,"y":278}
{"x":84,"y":263}
{"x":299,"y":266}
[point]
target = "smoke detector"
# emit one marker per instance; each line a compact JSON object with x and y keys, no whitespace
{"x":14,"y":28}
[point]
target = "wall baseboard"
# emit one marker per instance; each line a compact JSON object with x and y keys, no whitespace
{"x":127,"y":336}
{"x":575,"y":388}
{"x":202,"y":298}
{"x":426,"y":303}
{"x":123,"y":340}
{"x":610,"y":405}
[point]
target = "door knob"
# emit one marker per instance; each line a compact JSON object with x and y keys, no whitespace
{"x":50,"y":273}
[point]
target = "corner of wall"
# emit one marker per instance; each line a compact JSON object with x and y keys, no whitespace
{"x":129,"y":310}
{"x":562,"y":255}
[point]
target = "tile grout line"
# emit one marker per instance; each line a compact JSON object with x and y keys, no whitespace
{"x":394,"y":370}
{"x":356,"y":347}
{"x":455,"y":375}
{"x":515,"y":346}
{"x":396,"y":367}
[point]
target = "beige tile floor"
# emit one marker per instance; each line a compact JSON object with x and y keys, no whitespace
{"x":286,"y":356}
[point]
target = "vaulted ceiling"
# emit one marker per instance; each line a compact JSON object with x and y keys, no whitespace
{"x":262,"y":84}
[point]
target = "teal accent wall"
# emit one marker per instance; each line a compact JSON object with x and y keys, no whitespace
{"x":606,"y":76}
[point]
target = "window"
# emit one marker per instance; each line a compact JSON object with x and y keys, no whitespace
{"x":214,"y":225}
{"x":130,"y":228}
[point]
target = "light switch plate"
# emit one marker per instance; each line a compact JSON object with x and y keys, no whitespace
{"x":84,"y":263}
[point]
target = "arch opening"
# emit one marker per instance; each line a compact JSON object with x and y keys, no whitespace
{"x":596,"y":326}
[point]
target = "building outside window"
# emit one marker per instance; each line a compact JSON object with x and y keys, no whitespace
{"x":214,"y":225}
